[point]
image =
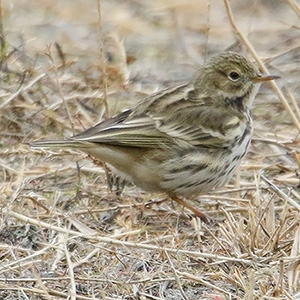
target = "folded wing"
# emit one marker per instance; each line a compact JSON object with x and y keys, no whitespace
{"x":187,"y":127}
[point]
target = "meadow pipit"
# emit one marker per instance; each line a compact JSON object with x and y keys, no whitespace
{"x":184,"y":140}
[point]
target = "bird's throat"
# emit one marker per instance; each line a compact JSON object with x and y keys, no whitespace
{"x":243,"y":102}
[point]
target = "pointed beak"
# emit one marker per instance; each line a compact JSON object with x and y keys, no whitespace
{"x":265,"y":77}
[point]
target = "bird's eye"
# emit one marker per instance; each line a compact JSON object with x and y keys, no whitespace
{"x":234,"y":76}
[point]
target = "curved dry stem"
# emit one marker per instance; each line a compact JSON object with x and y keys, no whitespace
{"x":251,"y":49}
{"x":294,"y":6}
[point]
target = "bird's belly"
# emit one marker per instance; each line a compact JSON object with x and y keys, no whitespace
{"x":130,"y":165}
{"x":142,"y":176}
{"x":204,"y":170}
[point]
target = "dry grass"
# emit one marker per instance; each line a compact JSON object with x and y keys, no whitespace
{"x":64,"y":234}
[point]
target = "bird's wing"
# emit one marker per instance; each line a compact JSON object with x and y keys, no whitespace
{"x":120,"y":130}
{"x":207,"y":126}
{"x":187,"y":124}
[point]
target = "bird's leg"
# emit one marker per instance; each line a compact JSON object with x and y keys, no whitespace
{"x":197,"y":212}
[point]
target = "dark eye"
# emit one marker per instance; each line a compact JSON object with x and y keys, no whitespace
{"x":234,"y":76}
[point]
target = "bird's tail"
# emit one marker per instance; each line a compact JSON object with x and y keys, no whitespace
{"x":56,"y":144}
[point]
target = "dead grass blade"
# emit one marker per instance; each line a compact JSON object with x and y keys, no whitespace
{"x":251,"y":49}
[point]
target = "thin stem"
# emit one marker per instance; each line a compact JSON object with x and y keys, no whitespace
{"x":2,"y":38}
{"x":294,"y":6}
{"x":251,"y":49}
{"x":102,"y":59}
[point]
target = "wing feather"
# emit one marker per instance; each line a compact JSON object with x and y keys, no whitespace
{"x":151,"y":126}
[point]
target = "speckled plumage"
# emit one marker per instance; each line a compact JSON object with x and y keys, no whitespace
{"x":184,"y":140}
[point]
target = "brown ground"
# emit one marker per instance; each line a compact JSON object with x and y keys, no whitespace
{"x":63,"y":233}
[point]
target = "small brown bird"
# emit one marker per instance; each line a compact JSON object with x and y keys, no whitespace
{"x":185,"y":140}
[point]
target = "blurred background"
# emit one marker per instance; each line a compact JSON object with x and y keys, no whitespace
{"x":163,"y":38}
{"x":56,"y":59}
